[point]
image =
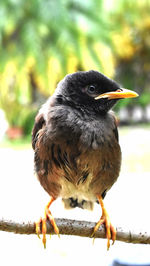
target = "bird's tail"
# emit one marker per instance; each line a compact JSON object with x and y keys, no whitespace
{"x":71,"y":203}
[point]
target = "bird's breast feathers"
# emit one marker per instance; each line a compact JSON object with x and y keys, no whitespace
{"x":77,"y":158}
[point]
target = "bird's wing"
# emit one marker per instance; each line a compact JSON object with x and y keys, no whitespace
{"x":39,"y":123}
{"x":47,"y":167}
{"x":116,"y":133}
{"x":115,"y":130}
{"x":40,"y":120}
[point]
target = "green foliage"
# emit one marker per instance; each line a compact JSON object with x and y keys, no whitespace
{"x":42,"y":40}
{"x":145,"y":98}
{"x":132,"y":47}
{"x":45,"y":28}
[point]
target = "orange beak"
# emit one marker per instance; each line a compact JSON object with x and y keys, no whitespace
{"x":118,"y":94}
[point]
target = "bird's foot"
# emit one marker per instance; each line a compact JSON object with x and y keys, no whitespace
{"x":110,"y":229}
{"x":47,"y":216}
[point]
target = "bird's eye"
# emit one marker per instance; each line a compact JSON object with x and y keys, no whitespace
{"x":91,"y":89}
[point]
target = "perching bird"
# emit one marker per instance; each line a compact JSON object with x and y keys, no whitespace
{"x":75,"y":140}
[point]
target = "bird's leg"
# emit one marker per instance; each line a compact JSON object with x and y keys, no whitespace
{"x":110,"y":229}
{"x":47,"y":216}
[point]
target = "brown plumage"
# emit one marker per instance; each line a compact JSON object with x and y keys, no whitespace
{"x":75,"y":139}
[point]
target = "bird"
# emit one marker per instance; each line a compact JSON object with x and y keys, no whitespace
{"x":77,"y":156}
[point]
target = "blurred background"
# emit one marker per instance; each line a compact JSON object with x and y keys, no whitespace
{"x":40,"y":42}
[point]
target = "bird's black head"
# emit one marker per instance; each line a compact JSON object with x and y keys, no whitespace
{"x":90,"y":90}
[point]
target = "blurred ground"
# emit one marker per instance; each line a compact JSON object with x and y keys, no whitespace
{"x":23,"y":199}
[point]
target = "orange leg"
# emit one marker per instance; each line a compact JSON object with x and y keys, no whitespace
{"x":110,"y":229}
{"x":47,"y":216}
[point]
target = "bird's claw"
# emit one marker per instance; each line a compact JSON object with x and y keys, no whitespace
{"x":52,"y":221}
{"x":113,"y":233}
{"x":44,"y":228}
{"x":38,"y":227}
{"x":43,"y":231}
{"x":47,"y":216}
{"x":110,"y":229}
